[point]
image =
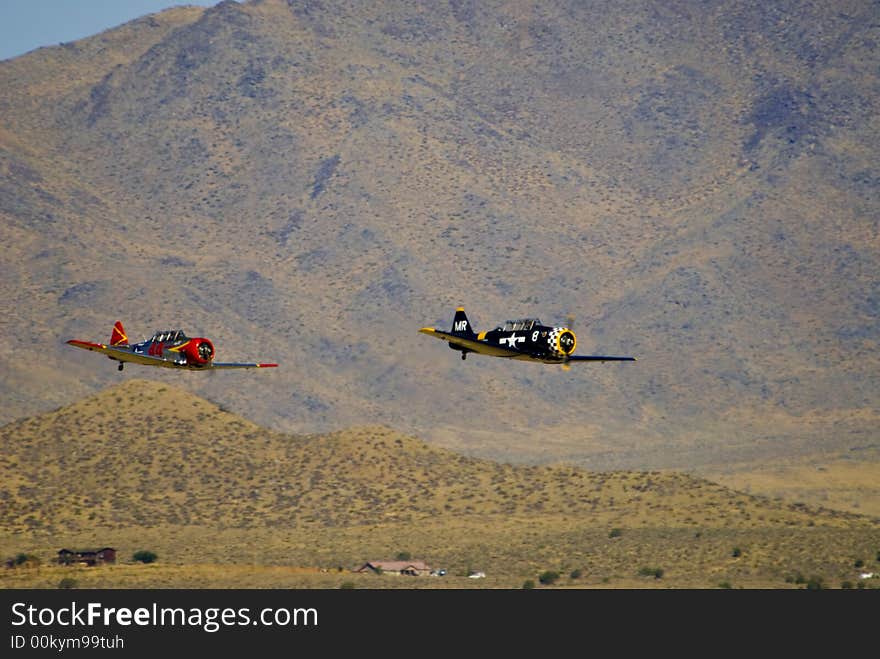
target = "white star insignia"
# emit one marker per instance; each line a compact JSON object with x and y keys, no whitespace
{"x":512,"y":340}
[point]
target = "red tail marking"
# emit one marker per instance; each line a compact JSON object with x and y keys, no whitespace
{"x":118,"y":337}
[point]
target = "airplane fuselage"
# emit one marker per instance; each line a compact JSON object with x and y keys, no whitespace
{"x":176,"y":352}
{"x":166,"y":349}
{"x":528,"y":339}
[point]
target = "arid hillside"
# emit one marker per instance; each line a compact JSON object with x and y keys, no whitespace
{"x":694,"y":183}
{"x":148,"y":466}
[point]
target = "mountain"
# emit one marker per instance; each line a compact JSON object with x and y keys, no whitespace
{"x":145,"y":465}
{"x":309,"y":182}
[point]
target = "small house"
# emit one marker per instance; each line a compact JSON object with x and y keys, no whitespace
{"x":90,"y":557}
{"x":409,"y":568}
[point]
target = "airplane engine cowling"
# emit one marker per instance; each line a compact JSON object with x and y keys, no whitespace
{"x":199,"y":351}
{"x":562,"y":342}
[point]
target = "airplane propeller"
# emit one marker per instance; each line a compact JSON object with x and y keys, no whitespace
{"x":205,"y":351}
{"x":569,"y":323}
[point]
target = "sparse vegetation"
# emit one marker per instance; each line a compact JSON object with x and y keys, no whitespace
{"x":736,"y":553}
{"x":24,"y":560}
{"x":528,"y":584}
{"x":548,"y":577}
{"x":656,"y":572}
{"x":815,"y":583}
{"x":144,"y":556}
{"x":795,"y":578}
{"x":248,"y":510}
{"x":67,"y":583}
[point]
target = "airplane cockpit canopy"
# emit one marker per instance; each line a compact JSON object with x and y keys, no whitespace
{"x":168,"y":336}
{"x":522,"y":325}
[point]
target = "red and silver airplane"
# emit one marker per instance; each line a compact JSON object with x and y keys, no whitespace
{"x":169,"y":349}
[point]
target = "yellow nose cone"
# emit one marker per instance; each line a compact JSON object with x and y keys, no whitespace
{"x":566,"y":341}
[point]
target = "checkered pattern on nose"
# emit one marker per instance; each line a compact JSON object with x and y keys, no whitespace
{"x":553,"y":341}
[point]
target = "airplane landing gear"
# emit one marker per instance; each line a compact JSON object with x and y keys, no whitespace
{"x":463,"y":356}
{"x":120,"y":366}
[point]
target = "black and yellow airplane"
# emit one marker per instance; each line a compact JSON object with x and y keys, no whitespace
{"x":526,"y":339}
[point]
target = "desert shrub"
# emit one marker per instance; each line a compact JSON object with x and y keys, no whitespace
{"x":67,"y":583}
{"x":403,"y":556}
{"x":615,"y":533}
{"x":25,"y":560}
{"x":859,"y":563}
{"x":346,"y":585}
{"x":725,"y":585}
{"x":656,"y":572}
{"x":145,"y":556}
{"x":797,"y":577}
{"x":575,"y":574}
{"x":528,"y":584}
{"x":736,"y":553}
{"x":549,"y":577}
{"x":815,"y":583}
{"x":847,"y":585}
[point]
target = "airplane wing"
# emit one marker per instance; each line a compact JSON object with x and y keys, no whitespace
{"x":480,"y":347}
{"x":122,"y":355}
{"x":599,"y":358}
{"x":149,"y":360}
{"x":115,"y":353}
{"x":88,"y":345}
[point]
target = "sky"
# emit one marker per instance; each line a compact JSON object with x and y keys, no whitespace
{"x":29,"y":24}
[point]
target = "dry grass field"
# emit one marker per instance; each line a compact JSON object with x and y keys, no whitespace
{"x":508,"y":551}
{"x":225,"y":503}
{"x":839,"y":484}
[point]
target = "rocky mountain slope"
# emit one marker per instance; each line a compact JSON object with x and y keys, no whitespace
{"x":311,"y":182}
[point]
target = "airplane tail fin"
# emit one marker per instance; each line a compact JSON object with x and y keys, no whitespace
{"x":118,"y":338}
{"x":461,"y":326}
